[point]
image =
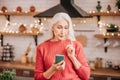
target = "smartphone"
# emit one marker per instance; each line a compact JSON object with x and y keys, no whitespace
{"x":58,"y":58}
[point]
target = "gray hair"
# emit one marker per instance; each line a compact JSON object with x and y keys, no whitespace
{"x":61,"y":16}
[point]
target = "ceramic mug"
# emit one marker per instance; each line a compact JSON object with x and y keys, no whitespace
{"x":116,"y":44}
{"x":107,"y":44}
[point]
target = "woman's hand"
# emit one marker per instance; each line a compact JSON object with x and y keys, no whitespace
{"x":53,"y":69}
{"x":71,"y":54}
{"x":59,"y":66}
{"x":70,"y":50}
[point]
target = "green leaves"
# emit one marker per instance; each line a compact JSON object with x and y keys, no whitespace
{"x":117,"y":3}
{"x":7,"y":75}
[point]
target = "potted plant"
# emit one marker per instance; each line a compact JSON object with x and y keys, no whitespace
{"x":112,"y":28}
{"x":7,"y":75}
{"x":118,"y":4}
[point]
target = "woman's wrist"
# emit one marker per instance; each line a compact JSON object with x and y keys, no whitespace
{"x":50,"y":72}
{"x":76,"y":63}
{"x":71,"y":57}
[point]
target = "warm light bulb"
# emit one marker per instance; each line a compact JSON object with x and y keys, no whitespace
{"x":93,"y":11}
{"x":108,"y":11}
{"x":90,"y":11}
{"x":118,"y":9}
{"x":41,"y":23}
{"x":112,"y":34}
{"x":114,"y":11}
{"x":1,"y":12}
{"x":74,"y":25}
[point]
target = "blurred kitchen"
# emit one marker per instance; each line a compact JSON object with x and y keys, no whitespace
{"x":23,"y":26}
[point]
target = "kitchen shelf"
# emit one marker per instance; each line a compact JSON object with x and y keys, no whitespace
{"x":8,"y":15}
{"x":109,"y":35}
{"x":19,"y":13}
{"x":105,"y":36}
{"x":105,"y":14}
{"x":26,"y":33}
{"x":35,"y":35}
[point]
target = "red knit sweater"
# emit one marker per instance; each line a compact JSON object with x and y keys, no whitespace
{"x":46,"y":57}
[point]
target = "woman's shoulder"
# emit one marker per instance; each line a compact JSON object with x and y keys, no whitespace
{"x":42,"y":44}
{"x":77,"y":43}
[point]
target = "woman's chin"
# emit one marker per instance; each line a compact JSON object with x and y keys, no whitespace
{"x":62,"y":38}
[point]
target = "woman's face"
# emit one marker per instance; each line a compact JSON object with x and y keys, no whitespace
{"x":60,"y":30}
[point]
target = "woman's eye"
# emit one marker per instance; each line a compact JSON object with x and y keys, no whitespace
{"x":66,"y":27}
{"x":59,"y":27}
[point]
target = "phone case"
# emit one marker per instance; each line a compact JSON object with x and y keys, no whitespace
{"x":59,"y":58}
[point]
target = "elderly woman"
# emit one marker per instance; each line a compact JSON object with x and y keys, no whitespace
{"x":62,"y":41}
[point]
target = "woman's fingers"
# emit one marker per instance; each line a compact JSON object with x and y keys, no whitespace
{"x":70,"y":48}
{"x":61,"y":62}
{"x":60,"y":65}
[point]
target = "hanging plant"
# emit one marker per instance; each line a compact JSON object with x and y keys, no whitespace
{"x":112,"y":28}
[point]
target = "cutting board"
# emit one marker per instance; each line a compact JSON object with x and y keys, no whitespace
{"x":82,"y":39}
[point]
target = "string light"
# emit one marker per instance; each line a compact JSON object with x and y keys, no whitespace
{"x":74,"y":25}
{"x":108,"y":11}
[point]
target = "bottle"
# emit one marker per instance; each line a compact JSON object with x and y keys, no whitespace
{"x":109,"y":8}
{"x":99,"y":63}
{"x":98,"y":7}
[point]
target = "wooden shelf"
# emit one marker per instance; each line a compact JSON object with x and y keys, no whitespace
{"x":105,"y":36}
{"x":105,"y":14}
{"x":4,"y":33}
{"x":19,"y":13}
{"x":105,"y":72}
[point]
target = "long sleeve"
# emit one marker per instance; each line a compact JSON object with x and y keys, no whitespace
{"x":84,"y":70}
{"x":39,"y":68}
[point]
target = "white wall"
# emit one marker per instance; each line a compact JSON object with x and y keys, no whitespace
{"x":91,"y":51}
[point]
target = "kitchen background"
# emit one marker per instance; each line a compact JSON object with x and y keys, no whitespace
{"x":87,"y":27}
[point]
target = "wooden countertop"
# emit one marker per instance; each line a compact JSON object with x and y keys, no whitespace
{"x":17,"y":65}
{"x":97,"y":72}
{"x":106,"y":72}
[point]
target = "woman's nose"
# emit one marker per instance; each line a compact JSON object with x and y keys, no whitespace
{"x":63,"y":30}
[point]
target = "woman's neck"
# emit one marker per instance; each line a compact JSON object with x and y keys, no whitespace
{"x":55,"y":39}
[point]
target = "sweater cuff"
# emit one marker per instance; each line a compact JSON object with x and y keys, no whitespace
{"x":43,"y":77}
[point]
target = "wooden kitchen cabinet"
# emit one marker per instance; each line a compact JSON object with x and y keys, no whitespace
{"x":99,"y":78}
{"x":24,"y":73}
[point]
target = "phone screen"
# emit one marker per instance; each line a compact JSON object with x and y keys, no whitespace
{"x":59,"y":58}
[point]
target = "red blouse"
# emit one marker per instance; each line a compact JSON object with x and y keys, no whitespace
{"x":46,"y":57}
